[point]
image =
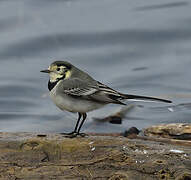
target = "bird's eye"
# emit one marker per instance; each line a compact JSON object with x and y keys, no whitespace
{"x":58,"y":69}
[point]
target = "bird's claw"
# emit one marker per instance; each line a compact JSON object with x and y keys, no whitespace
{"x":73,"y":134}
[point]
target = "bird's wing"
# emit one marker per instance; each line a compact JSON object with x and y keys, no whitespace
{"x":94,"y":91}
{"x":78,"y":87}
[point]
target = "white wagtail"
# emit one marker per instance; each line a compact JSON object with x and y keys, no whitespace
{"x":73,"y":90}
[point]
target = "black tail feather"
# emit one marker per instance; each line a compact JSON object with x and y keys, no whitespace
{"x":146,"y":98}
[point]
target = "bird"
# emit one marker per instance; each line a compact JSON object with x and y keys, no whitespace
{"x":74,"y":90}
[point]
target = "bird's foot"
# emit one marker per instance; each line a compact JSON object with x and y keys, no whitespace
{"x":73,"y":134}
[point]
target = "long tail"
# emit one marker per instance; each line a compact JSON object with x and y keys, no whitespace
{"x":144,"y":98}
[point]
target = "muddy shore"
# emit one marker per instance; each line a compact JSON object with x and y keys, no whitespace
{"x":30,"y":156}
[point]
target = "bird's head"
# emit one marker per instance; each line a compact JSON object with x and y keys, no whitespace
{"x":59,"y":70}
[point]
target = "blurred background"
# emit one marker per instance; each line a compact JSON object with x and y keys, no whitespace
{"x":138,"y":47}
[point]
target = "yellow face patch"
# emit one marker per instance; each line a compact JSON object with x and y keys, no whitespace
{"x":58,"y":72}
{"x":67,"y":74}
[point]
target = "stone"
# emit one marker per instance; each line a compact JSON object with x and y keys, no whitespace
{"x":175,"y":131}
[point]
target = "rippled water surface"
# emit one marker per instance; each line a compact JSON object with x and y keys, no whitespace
{"x":138,"y":47}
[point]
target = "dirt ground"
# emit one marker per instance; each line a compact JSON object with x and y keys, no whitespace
{"x":27,"y":156}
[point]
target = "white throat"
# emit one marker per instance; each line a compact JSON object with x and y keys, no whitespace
{"x":54,"y":76}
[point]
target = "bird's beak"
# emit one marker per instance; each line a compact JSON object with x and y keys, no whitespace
{"x":45,"y":71}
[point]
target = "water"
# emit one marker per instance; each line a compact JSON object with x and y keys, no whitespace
{"x":137,"y":47}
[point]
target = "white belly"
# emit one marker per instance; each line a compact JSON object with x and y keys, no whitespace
{"x":68,"y":103}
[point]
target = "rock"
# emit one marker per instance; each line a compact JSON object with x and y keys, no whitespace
{"x":131,"y":132}
{"x":29,"y":156}
{"x":175,"y":131}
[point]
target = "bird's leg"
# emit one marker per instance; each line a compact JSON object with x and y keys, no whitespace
{"x":77,"y":133}
{"x":76,"y":127}
{"x":79,"y":117}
